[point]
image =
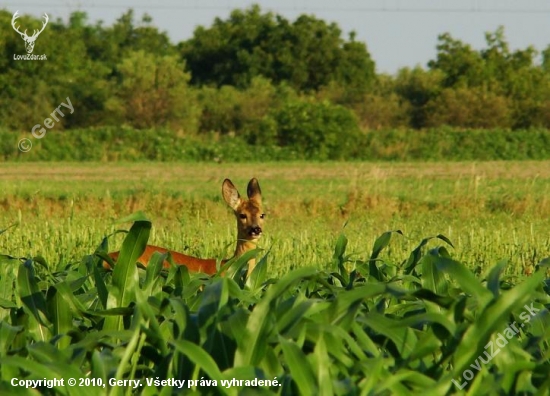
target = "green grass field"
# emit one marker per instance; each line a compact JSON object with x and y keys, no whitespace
{"x":362,"y":311}
{"x":490,"y":211}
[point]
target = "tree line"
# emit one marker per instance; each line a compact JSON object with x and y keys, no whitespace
{"x":264,"y":79}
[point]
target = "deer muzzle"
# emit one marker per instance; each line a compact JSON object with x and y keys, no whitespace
{"x":255,"y":232}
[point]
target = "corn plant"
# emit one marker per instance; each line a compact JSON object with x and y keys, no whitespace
{"x":367,"y":326}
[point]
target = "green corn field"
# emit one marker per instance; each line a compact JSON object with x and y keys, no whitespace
{"x":354,"y":313}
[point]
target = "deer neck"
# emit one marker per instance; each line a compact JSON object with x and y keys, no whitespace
{"x":244,"y":246}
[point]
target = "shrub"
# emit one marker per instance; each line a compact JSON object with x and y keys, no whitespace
{"x":320,"y":130}
{"x":380,"y":108}
{"x":153,"y":92}
{"x":469,"y":108}
{"x":262,"y":143}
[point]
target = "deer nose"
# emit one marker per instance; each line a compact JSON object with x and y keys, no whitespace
{"x":256,"y":230}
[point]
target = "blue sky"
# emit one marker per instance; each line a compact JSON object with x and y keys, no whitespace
{"x":398,"y":33}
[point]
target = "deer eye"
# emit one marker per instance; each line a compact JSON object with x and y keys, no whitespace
{"x":262,"y":216}
{"x":242,"y":216}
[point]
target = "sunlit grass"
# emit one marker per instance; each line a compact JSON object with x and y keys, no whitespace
{"x":490,"y":211}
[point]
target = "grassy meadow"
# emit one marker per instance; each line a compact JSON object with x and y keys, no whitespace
{"x":489,"y":210}
{"x":335,"y":306}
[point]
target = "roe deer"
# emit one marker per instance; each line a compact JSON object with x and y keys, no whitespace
{"x":250,"y":219}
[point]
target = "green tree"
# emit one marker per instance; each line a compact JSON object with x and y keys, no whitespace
{"x":111,"y":44}
{"x":243,"y":112}
{"x":513,"y":78}
{"x":417,"y":87}
{"x":154,"y":91}
{"x":220,"y":109}
{"x":383,"y":108}
{"x":458,"y":62}
{"x":30,"y":90}
{"x":307,"y":53}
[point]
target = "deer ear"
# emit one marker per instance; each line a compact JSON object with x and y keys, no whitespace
{"x":253,"y":190}
{"x":230,"y":194}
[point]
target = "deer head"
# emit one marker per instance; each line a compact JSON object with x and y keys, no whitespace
{"x":29,"y":40}
{"x":249,"y":214}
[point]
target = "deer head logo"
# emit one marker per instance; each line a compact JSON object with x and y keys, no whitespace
{"x":29,"y":40}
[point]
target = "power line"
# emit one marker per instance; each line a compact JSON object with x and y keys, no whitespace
{"x":395,"y":9}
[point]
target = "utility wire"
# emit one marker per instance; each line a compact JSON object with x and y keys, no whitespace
{"x":389,"y":9}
